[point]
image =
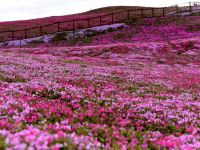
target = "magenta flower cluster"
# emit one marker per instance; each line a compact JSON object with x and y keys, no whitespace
{"x":141,"y":95}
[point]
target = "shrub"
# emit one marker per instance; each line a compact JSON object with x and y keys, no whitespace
{"x":80,"y":40}
{"x":36,"y":42}
{"x":85,"y":40}
{"x":90,"y":33}
{"x":2,"y":143}
{"x":59,"y":37}
{"x":110,"y":29}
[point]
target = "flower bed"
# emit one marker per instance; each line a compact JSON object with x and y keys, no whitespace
{"x":118,"y":96}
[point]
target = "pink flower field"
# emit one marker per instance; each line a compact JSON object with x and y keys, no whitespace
{"x":143,"y":94}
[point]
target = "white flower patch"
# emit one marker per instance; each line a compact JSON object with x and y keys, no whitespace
{"x":106,"y":27}
{"x":69,"y":34}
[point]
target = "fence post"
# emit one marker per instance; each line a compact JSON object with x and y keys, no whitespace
{"x":100,"y":19}
{"x":74,"y":28}
{"x":152,"y":11}
{"x":112,"y":15}
{"x":20,"y":42}
{"x":141,"y":10}
{"x":41,"y":32}
{"x":58,"y":26}
{"x":13,"y":35}
{"x":163,"y":11}
{"x":177,"y":9}
{"x":73,"y":25}
{"x":25,"y":33}
{"x":190,"y":5}
{"x":128,"y":15}
{"x":88,"y":22}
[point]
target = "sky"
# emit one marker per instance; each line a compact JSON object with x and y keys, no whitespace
{"x":29,"y":9}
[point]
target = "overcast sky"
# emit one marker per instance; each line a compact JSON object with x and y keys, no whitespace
{"x":28,"y":9}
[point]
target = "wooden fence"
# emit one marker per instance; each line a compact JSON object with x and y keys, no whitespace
{"x":111,"y":18}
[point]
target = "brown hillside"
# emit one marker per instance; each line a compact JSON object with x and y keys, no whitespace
{"x":16,"y":25}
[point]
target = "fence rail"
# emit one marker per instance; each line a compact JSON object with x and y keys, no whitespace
{"x":110,"y":18}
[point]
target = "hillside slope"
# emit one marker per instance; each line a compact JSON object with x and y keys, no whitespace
{"x":124,"y":96}
{"x":16,"y":25}
{"x":136,"y":87}
{"x":142,"y":30}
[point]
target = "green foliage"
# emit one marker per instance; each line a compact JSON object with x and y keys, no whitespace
{"x":52,"y":95}
{"x":92,"y":119}
{"x":49,"y":94}
{"x":115,"y":146}
{"x":83,"y":102}
{"x":53,"y":119}
{"x":91,"y":33}
{"x":82,"y":131}
{"x":2,"y":143}
{"x":138,"y":147}
{"x":109,"y":120}
{"x":133,"y":89}
{"x":20,"y":109}
{"x":110,"y":29}
{"x":36,"y":42}
{"x":169,"y":129}
{"x":73,"y":61}
{"x":80,"y":40}
{"x":69,"y":144}
{"x":16,"y":79}
{"x":128,"y":134}
{"x":151,"y":127}
{"x":99,"y":102}
{"x":151,"y":146}
{"x":160,"y":97}
{"x":59,"y":37}
{"x":142,"y":89}
{"x":155,"y":89}
{"x":101,"y":136}
{"x":85,"y":40}
{"x":117,"y":80}
{"x":139,"y":137}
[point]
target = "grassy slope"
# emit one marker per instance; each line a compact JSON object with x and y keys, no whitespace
{"x":41,"y":21}
{"x":149,"y":90}
{"x":142,"y":30}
